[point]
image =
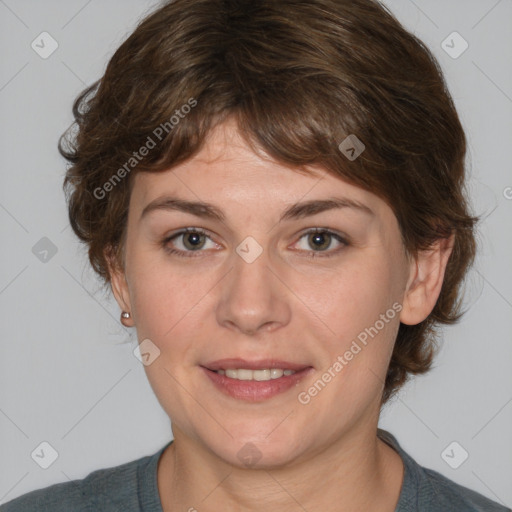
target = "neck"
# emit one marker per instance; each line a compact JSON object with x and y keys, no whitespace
{"x":356,"y":472}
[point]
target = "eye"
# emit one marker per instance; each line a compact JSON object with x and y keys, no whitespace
{"x":189,"y":240}
{"x":193,"y":240}
{"x":321,"y":239}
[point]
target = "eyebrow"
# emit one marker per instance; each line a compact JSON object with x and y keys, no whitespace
{"x":296,"y":211}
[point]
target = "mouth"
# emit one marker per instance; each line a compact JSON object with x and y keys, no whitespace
{"x":255,"y":381}
{"x":258,"y":375}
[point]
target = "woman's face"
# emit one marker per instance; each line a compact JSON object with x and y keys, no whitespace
{"x":256,"y":287}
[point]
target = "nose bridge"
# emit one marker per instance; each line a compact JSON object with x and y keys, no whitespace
{"x":251,"y":268}
{"x":252,"y":296}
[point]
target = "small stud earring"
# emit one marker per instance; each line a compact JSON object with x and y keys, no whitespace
{"x":124,"y":317}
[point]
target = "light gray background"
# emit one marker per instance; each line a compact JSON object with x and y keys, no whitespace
{"x":67,"y":378}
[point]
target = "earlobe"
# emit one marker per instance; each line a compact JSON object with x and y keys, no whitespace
{"x":425,"y":281}
{"x":118,"y":282}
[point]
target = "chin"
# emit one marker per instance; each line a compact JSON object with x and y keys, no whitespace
{"x":257,"y":450}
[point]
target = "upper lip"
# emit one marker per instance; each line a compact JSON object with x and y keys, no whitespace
{"x":260,"y":364}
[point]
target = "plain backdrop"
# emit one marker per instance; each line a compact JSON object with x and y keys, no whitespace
{"x":67,"y":378}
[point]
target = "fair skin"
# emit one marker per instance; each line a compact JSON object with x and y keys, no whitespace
{"x":323,"y":455}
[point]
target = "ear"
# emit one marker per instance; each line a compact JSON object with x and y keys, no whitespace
{"x":118,"y":283}
{"x":425,"y":281}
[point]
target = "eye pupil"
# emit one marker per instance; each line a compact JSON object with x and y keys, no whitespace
{"x":321,"y":239}
{"x":194,"y":238}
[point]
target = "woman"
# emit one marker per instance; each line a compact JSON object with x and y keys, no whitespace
{"x":274,"y":192}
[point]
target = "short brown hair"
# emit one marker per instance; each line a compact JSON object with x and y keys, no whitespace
{"x":299,"y":77}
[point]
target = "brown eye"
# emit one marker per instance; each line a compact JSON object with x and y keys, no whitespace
{"x":193,"y":240}
{"x":187,"y":241}
{"x":320,"y":240}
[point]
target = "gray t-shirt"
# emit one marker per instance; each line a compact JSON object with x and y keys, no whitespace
{"x":132,"y":487}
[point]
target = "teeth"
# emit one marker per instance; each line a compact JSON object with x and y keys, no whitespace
{"x":259,"y":375}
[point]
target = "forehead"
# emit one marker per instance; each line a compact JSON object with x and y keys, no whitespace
{"x":225,"y":155}
{"x":227,"y":170}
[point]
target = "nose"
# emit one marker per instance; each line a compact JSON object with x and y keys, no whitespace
{"x":254,"y":297}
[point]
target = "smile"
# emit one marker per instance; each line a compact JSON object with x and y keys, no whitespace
{"x":259,"y":375}
{"x":255,"y":385}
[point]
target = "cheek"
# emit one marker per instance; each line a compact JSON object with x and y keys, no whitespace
{"x":351,"y":299}
{"x":359,"y":308}
{"x":167,"y":310}
{"x":165,"y":305}
{"x":160,"y":297}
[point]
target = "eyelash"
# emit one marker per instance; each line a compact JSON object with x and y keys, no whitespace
{"x":310,"y":254}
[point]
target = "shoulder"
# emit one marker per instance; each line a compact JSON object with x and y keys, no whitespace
{"x":109,"y":489}
{"x":426,"y":490}
{"x":448,"y":495}
{"x":72,"y":496}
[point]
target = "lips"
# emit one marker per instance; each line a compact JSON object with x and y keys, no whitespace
{"x":260,"y":364}
{"x":254,"y":390}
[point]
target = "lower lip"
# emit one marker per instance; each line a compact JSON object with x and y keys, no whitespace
{"x":253,"y":390}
